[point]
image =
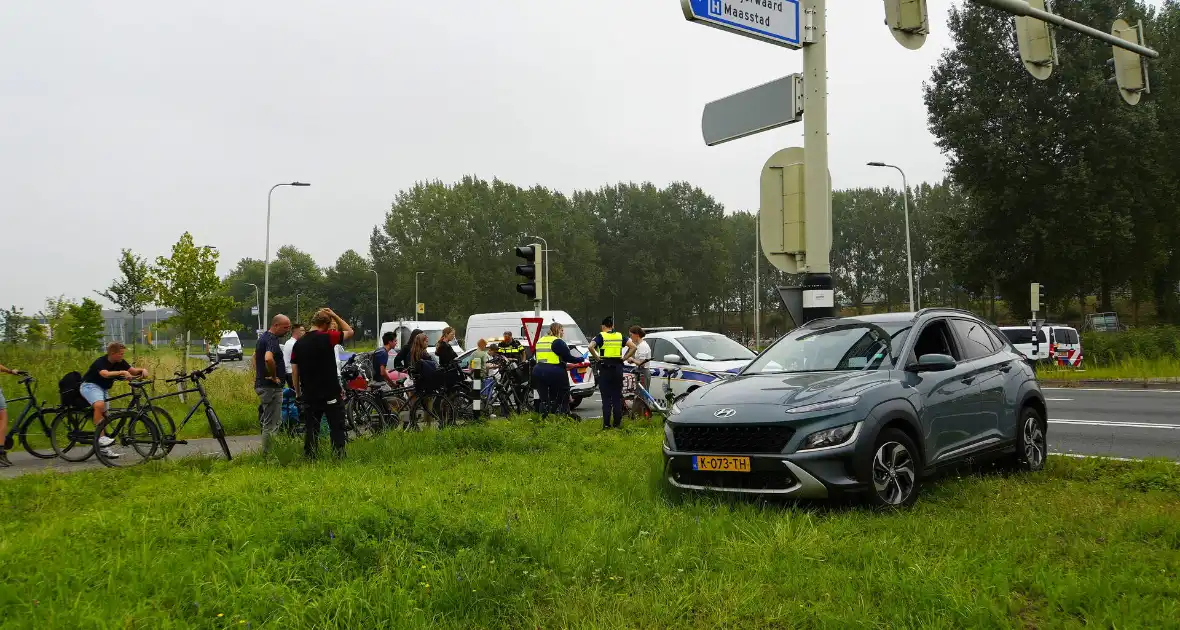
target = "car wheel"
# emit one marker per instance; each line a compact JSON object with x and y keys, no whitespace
{"x":893,"y":470}
{"x":1031,"y":441}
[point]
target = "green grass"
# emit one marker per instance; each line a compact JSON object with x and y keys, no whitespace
{"x":518,"y":524}
{"x":1133,"y":369}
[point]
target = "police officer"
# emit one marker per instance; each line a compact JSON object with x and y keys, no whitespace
{"x":550,"y":376}
{"x":607,"y":347}
{"x":510,"y":348}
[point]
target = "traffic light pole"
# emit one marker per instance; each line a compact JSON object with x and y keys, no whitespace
{"x":817,"y":285}
{"x":1020,"y":7}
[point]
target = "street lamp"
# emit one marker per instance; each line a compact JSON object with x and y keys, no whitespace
{"x":905,"y":196}
{"x":377,"y":291}
{"x":266,"y":278}
{"x":416,"y":274}
{"x":545,"y":289}
{"x":257,"y":305}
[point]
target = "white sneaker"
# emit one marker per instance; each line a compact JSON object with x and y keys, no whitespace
{"x":110,"y":454}
{"x":105,"y":440}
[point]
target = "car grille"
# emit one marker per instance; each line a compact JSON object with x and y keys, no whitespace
{"x":734,"y":480}
{"x":731,"y":439}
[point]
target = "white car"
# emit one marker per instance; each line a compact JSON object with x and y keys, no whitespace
{"x":1022,"y":338}
{"x":704,"y":358}
{"x":432,"y":330}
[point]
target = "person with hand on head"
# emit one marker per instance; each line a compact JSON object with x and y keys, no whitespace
{"x":607,"y":347}
{"x":98,"y":381}
{"x":270,"y":374}
{"x":4,"y":463}
{"x":317,"y":381}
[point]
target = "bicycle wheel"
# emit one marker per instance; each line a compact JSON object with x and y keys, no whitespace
{"x":218,"y":431}
{"x":446,"y":412}
{"x":136,"y":438}
{"x":35,"y":436}
{"x":463,"y":410}
{"x":167,"y":429}
{"x":395,"y":408}
{"x":368,"y":419}
{"x":72,"y":435}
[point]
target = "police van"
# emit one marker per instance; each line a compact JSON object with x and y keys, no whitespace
{"x":494,"y":325}
{"x":1056,"y":343}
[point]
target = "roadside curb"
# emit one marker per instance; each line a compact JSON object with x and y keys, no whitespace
{"x":1154,"y":383}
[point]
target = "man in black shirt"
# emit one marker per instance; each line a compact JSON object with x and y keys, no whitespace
{"x":100,"y":378}
{"x":317,"y":383}
{"x":270,"y":372}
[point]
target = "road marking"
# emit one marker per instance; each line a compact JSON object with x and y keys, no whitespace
{"x":1058,"y":399}
{"x":1107,"y":423}
{"x":1113,"y":459}
{"x":1129,"y":390}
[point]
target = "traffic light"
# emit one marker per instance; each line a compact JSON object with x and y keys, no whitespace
{"x":533,"y":271}
{"x":1038,"y":49}
{"x":1036,"y":296}
{"x":1129,"y":68}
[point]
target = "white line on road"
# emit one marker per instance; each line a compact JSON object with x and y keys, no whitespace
{"x":1107,"y":423}
{"x":1058,"y":399}
{"x":1126,"y":390}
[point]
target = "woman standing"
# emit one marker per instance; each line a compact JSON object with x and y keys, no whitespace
{"x":551,"y":377}
{"x":444,"y":352}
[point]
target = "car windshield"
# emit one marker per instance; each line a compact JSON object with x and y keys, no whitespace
{"x":1018,"y":335}
{"x":230,"y":341}
{"x":715,"y":348}
{"x":573,"y":335}
{"x":849,"y":345}
{"x":432,"y":337}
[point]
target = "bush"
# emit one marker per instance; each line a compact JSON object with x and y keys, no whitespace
{"x":1111,"y":348}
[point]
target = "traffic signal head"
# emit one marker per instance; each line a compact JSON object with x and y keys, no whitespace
{"x":532,"y":271}
{"x":1130,"y":69}
{"x":909,"y":22}
{"x":1038,"y":49}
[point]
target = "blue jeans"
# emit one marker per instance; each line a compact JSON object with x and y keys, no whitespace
{"x":92,"y":393}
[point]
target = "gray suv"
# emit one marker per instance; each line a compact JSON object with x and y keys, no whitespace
{"x":868,"y":405}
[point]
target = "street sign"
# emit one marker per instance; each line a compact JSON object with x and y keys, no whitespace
{"x":421,"y":308}
{"x":751,"y":111}
{"x":771,"y":21}
{"x":532,"y":329}
{"x":254,"y":311}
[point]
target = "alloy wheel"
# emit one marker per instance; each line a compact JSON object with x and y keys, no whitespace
{"x":1034,"y":442}
{"x":894,"y":473}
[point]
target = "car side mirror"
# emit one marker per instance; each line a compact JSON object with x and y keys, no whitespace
{"x":673,"y":358}
{"x":933,"y":363}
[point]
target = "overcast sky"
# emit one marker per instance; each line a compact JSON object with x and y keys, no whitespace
{"x":127,"y":123}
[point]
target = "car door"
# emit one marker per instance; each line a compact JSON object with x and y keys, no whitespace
{"x":1013,"y":373}
{"x":658,"y":368}
{"x":948,"y":403}
{"x":988,"y":370}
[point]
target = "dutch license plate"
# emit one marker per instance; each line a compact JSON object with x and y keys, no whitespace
{"x":722,"y":464}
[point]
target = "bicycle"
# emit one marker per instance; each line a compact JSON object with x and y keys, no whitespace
{"x":638,"y":401}
{"x":169,"y":431}
{"x":431,"y":406}
{"x":74,"y":427}
{"x":31,"y":427}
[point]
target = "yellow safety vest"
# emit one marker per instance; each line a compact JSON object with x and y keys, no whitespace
{"x":612,"y":345}
{"x":545,"y":352}
{"x":512,"y":349}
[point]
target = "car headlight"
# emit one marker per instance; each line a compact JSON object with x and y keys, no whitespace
{"x":826,"y":405}
{"x":668,"y":437}
{"x":674,"y":409}
{"x":831,"y":437}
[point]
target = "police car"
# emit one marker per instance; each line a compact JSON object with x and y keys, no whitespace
{"x":704,"y":357}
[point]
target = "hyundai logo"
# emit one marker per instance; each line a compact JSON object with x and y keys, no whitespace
{"x":725,"y":413}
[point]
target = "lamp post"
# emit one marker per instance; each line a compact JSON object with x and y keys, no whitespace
{"x":545,"y":243}
{"x":416,"y":274}
{"x":905,"y":197}
{"x":266,"y":274}
{"x":377,"y":301}
{"x":257,"y":305}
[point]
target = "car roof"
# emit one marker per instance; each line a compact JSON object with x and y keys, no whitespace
{"x":676,"y":334}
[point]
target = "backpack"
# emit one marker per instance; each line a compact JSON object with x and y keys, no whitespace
{"x":68,"y":387}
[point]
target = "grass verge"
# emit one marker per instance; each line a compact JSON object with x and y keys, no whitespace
{"x":1127,"y":369}
{"x":524,"y":524}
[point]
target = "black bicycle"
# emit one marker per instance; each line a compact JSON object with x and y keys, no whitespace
{"x":168,"y":429}
{"x":31,"y":427}
{"x":73,"y":433}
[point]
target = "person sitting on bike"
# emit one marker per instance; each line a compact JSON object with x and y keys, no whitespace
{"x":100,"y":378}
{"x":381,"y":359}
{"x":444,"y":352}
{"x":4,"y":463}
{"x":640,"y":357}
{"x":550,"y":376}
{"x":423,"y":368}
{"x":401,"y":362}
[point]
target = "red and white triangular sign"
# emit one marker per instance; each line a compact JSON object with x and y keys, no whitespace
{"x":532,"y":329}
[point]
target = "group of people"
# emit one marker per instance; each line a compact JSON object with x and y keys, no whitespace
{"x":305,"y":364}
{"x":95,"y":389}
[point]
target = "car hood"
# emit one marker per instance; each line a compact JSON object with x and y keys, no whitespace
{"x":723,"y":366}
{"x":790,"y":389}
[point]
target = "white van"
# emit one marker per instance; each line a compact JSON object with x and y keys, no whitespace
{"x":1065,"y":345}
{"x":1024,"y":340}
{"x":228,"y":348}
{"x":493,"y":325}
{"x":433,"y":330}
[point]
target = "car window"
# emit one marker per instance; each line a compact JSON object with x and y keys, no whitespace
{"x":936,"y":338}
{"x":1018,"y":335}
{"x":997,"y":339}
{"x":661,"y":347}
{"x":973,"y":335}
{"x":1065,"y":335}
{"x":714,"y":347}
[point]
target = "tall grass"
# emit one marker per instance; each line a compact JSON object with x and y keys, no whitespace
{"x":523,"y":525}
{"x":230,"y":390}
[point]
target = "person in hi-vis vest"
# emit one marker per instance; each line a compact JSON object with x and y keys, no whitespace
{"x":550,"y":376}
{"x":607,"y":346}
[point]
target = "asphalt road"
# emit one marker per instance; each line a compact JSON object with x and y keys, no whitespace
{"x":1133,"y":424}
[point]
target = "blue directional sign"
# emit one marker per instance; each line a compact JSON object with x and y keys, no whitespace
{"x":773,"y":21}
